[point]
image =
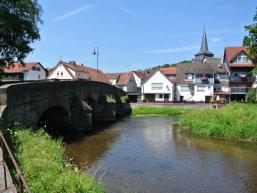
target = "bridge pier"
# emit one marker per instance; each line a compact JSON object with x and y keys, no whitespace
{"x":104,"y":112}
{"x":80,"y":116}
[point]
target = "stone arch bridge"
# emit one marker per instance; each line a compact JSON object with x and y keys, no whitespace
{"x":70,"y":105}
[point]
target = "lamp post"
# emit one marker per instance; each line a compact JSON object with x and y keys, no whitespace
{"x":96,"y":52}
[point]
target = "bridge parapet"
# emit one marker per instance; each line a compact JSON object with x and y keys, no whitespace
{"x":26,"y":103}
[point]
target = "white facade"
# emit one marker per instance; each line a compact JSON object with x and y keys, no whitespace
{"x":61,"y":72}
{"x":137,"y":79}
{"x":37,"y":72}
{"x":197,"y":92}
{"x":159,"y":86}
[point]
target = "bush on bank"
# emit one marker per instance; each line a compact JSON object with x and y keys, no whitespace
{"x":235,"y":121}
{"x":170,"y":111}
{"x":42,"y":161}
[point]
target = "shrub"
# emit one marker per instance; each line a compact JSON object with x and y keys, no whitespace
{"x":251,"y":96}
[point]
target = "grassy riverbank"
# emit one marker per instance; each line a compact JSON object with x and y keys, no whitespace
{"x":235,"y":121}
{"x":170,"y":111}
{"x":42,"y":161}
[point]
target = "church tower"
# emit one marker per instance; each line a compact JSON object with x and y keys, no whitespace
{"x":204,"y":51}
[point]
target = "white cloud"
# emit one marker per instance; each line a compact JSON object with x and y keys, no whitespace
{"x":124,"y":10}
{"x":73,"y":12}
{"x":215,"y":40}
{"x":173,"y":50}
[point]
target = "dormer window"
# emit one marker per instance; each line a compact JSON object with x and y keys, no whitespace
{"x":241,"y":58}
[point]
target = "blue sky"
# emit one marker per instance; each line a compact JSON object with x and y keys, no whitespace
{"x":137,"y":34}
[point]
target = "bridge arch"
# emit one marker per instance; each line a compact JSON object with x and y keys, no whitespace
{"x":54,"y":118}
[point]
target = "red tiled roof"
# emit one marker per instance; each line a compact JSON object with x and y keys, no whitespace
{"x":113,"y":75}
{"x":241,"y":65}
{"x":18,"y":67}
{"x":93,"y":73}
{"x":124,"y":78}
{"x":232,"y":52}
{"x":168,"y":70}
{"x":141,"y":74}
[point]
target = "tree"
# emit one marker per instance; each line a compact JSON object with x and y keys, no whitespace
{"x":251,"y":41}
{"x":246,"y":41}
{"x":19,"y":20}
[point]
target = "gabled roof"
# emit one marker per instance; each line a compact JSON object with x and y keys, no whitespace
{"x":141,"y":74}
{"x":124,"y":78}
{"x":113,"y":75}
{"x":231,"y":52}
{"x":19,"y":67}
{"x":153,"y":73}
{"x":168,"y":70}
{"x":94,"y":74}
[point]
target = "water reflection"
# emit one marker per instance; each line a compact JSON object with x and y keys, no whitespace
{"x":146,"y":154}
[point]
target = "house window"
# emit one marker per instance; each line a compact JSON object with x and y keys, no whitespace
{"x":241,"y":58}
{"x":156,"y":86}
{"x":189,"y":76}
{"x":34,"y":68}
{"x":200,"y":88}
{"x":38,"y":76}
{"x":185,"y":89}
{"x":61,"y":73}
{"x":38,"y":68}
{"x":161,"y":96}
{"x":57,"y":73}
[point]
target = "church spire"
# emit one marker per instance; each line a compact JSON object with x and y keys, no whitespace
{"x":204,"y":51}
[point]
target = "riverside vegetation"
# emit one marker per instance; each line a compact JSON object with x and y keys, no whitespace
{"x":159,"y":111}
{"x":43,"y":163}
{"x":235,"y":121}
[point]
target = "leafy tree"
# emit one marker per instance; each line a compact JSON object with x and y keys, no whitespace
{"x":246,"y":41}
{"x":19,"y":21}
{"x":251,"y":41}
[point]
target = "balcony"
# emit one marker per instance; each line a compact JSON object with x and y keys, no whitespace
{"x":223,"y":79}
{"x":242,"y":79}
{"x":204,"y":80}
{"x":238,"y":90}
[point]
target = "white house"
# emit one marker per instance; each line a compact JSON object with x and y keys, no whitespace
{"x":25,"y":71}
{"x":72,"y":71}
{"x":157,"y":88}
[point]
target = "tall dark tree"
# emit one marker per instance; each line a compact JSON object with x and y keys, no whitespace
{"x":19,"y":20}
{"x":251,"y":41}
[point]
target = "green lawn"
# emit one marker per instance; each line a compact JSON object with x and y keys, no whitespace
{"x":235,"y":121}
{"x":42,"y":161}
{"x":170,"y":111}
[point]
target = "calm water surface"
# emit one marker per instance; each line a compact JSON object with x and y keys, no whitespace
{"x":145,"y":154}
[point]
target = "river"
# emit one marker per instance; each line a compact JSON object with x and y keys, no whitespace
{"x":146,"y":154}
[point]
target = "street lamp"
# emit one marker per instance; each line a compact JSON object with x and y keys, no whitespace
{"x":96,"y":52}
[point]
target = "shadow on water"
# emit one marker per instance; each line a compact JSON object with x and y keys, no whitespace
{"x":85,"y":148}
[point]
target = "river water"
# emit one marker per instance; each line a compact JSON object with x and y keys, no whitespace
{"x":146,"y":154}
